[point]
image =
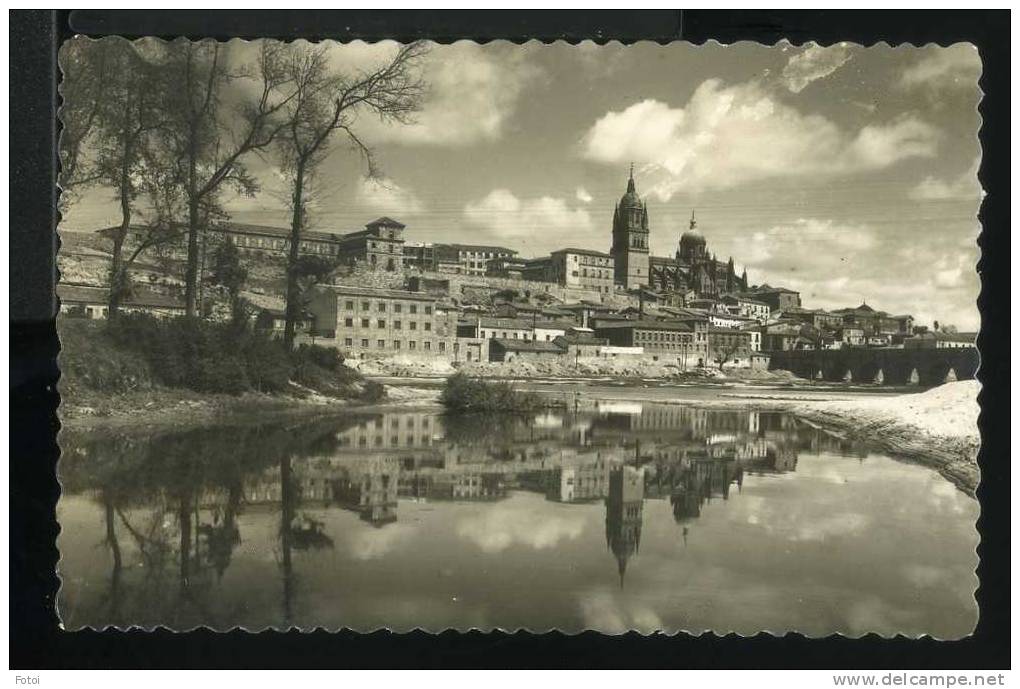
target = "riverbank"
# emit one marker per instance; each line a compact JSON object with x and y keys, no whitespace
{"x":937,"y":427}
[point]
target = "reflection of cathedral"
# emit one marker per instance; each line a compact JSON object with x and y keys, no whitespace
{"x":624,"y":508}
{"x":691,"y":270}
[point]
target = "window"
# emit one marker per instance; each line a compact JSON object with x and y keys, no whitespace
{"x":396,"y":344}
{"x":427,"y":345}
{"x":413,"y":325}
{"x":396,"y":325}
{"x":364,"y":322}
{"x":411,"y":344}
{"x":442,"y":346}
{"x":348,"y":342}
{"x":414,"y":308}
{"x":364,"y":306}
{"x":381,"y":344}
{"x":364,"y":343}
{"x":349,"y":305}
{"x":428,"y":310}
{"x":397,"y":308}
{"x":428,"y":326}
{"x":349,"y":322}
{"x":381,"y":308}
{"x":515,"y":335}
{"x":380,"y":323}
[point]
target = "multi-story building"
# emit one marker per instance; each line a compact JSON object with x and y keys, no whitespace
{"x":362,"y":321}
{"x":380,"y":245}
{"x":468,"y":259}
{"x":506,"y":267}
{"x":874,"y":322}
{"x":581,"y":268}
{"x":743,"y":305}
{"x":630,"y":239}
{"x":687,"y":341}
{"x":487,"y":327}
{"x":778,"y":298}
{"x":817,"y":318}
{"x":730,"y":346}
{"x":420,"y":255}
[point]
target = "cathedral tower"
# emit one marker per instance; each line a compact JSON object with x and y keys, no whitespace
{"x":630,"y":238}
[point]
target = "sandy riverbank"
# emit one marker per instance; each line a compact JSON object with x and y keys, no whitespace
{"x":937,"y":427}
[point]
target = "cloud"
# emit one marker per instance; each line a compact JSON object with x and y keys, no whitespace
{"x":583,"y":196}
{"x":814,"y":63}
{"x":955,"y":67}
{"x":966,"y":187}
{"x":473,"y":92}
{"x":387,"y":196}
{"x":729,"y":135}
{"x":500,"y":527}
{"x":546,"y":221}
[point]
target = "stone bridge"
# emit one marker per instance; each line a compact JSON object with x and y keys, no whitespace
{"x":891,"y":366}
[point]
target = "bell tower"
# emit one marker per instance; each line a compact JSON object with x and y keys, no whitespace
{"x":630,"y":238}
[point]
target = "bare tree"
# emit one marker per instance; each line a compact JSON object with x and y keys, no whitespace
{"x":84,"y":67}
{"x":325,"y":103}
{"x":724,"y":352}
{"x":208,"y":137}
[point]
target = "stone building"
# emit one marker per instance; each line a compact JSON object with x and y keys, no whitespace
{"x":685,"y":342}
{"x":582,"y":268}
{"x":468,"y":259}
{"x":362,"y":321}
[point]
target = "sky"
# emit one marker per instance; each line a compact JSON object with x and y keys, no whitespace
{"x":847,"y":173}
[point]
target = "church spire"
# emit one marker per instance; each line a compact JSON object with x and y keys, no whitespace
{"x":694,"y":223}
{"x":630,"y":182}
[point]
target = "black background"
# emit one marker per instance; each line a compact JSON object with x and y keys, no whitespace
{"x":36,"y":640}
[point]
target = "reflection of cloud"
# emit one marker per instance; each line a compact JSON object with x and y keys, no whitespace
{"x":715,"y":140}
{"x":604,"y":612}
{"x":499,"y":527}
{"x":371,"y":543}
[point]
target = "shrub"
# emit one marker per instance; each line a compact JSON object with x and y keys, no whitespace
{"x":135,"y":351}
{"x":462,"y":393}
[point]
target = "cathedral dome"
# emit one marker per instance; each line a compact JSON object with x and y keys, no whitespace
{"x":692,"y":237}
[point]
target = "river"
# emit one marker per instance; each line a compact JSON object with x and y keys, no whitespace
{"x":613,"y":515}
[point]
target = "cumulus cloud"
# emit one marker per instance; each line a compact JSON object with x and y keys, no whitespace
{"x":728,"y":135}
{"x":957,"y":66}
{"x":387,"y":196}
{"x":583,"y":196}
{"x":814,"y":63}
{"x":473,"y":92}
{"x":966,"y":187}
{"x":540,"y":220}
{"x":498,"y":528}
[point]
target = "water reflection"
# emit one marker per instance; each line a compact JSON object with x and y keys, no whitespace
{"x":183,"y":506}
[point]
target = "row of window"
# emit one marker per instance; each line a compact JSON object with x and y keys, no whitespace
{"x":506,"y":335}
{"x":381,"y":323}
{"x":381,"y":307}
{"x":397,"y":344}
{"x":658,"y":336}
{"x":593,"y":260}
{"x":392,"y":248}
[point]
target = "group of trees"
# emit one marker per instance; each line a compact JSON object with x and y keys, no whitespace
{"x":169,"y":128}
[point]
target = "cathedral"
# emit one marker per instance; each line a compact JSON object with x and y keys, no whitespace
{"x":691,"y":269}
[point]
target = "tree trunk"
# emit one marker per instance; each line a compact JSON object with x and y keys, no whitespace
{"x":191,"y":272}
{"x":117,"y":281}
{"x":293,"y":309}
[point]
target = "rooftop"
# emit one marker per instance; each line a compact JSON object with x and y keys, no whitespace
{"x":526,"y":345}
{"x":587,"y":252}
{"x":644,"y":325}
{"x":354,"y":291}
{"x":141,"y":296}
